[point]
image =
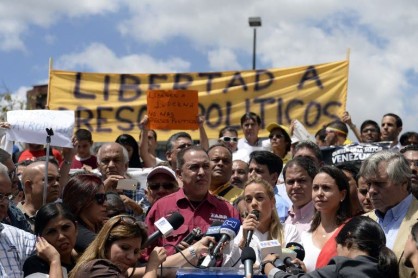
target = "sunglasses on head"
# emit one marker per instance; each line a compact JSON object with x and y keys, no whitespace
{"x":127,"y":220}
{"x":100,"y":198}
{"x":165,"y":185}
{"x":229,"y":139}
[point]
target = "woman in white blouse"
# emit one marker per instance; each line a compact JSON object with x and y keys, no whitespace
{"x":259,"y":196}
{"x":332,"y":210}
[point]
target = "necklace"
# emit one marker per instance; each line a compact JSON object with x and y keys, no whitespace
{"x":324,"y":234}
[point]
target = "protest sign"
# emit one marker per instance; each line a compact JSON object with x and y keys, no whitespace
{"x":172,"y":109}
{"x":29,"y":126}
{"x":109,"y":104}
{"x":353,"y":153}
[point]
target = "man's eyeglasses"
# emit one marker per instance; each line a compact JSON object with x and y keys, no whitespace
{"x":165,"y":185}
{"x":7,"y":196}
{"x":183,"y":146}
{"x":12,"y":174}
{"x":278,"y":136}
{"x":413,"y":162}
{"x":229,"y":139}
{"x":100,"y":198}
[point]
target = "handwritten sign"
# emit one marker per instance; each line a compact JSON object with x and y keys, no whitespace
{"x":172,"y":109}
{"x":30,"y":126}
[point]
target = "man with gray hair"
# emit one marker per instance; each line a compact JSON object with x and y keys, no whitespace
{"x":387,"y":175}
{"x":14,"y":216}
{"x":16,"y":245}
{"x":113,"y":160}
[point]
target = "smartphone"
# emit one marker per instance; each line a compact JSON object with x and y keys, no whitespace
{"x":127,"y":184}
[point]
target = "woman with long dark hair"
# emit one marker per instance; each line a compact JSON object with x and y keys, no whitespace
{"x":131,"y":145}
{"x":330,"y":194}
{"x":84,"y":194}
{"x":56,"y":229}
{"x":362,"y":252}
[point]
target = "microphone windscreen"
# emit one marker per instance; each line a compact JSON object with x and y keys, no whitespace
{"x":247,"y":254}
{"x":256,"y":213}
{"x":230,"y":227}
{"x":176,"y":220}
{"x":216,"y":223}
{"x":214,"y":230}
{"x":298,"y":249}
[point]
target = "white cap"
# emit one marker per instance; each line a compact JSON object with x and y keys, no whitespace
{"x":162,"y":170}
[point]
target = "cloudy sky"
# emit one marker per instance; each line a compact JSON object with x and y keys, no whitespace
{"x":153,"y":36}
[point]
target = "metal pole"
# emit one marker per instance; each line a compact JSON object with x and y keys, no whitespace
{"x":49,"y":132}
{"x":254,"y":46}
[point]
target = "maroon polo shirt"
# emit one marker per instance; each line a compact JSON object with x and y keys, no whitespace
{"x":209,"y":210}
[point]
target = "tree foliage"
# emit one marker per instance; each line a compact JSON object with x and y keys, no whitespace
{"x":9,"y":102}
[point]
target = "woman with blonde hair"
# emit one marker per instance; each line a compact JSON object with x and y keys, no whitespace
{"x":262,"y":219}
{"x":116,"y":249}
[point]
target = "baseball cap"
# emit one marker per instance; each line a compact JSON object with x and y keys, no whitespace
{"x":283,"y":128}
{"x":162,"y":170}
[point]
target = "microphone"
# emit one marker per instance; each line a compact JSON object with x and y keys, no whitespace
{"x":300,"y":254}
{"x":248,"y":259}
{"x":270,"y":247}
{"x":291,"y":267}
{"x":214,"y":230}
{"x":228,"y":231}
{"x":251,"y":232}
{"x":165,"y":227}
{"x":194,"y":234}
{"x":298,"y":249}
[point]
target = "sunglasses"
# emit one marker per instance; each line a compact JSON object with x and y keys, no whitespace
{"x":100,"y":198}
{"x":371,"y":130}
{"x":229,"y":139}
{"x":165,"y":185}
{"x":7,"y":196}
{"x":278,"y":136}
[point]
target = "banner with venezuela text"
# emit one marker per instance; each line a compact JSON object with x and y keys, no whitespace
{"x":110,"y":104}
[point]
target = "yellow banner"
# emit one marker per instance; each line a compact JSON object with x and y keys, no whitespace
{"x":111,"y":104}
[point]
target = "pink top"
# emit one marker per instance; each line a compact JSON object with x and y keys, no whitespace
{"x":302,"y":217}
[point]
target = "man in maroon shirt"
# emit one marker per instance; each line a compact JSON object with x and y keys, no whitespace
{"x":192,"y":201}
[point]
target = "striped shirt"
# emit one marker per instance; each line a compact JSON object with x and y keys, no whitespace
{"x":16,"y":246}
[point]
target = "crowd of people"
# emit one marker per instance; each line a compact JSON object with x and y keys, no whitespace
{"x":92,"y":218}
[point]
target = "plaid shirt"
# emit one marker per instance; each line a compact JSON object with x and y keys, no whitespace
{"x":16,"y":246}
{"x":140,"y":198}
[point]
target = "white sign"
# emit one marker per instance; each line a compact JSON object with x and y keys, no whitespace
{"x":30,"y":126}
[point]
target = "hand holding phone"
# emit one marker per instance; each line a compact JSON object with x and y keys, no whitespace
{"x":127,"y":184}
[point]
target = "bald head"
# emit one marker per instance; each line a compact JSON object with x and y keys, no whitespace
{"x":33,"y":169}
{"x":33,"y":178}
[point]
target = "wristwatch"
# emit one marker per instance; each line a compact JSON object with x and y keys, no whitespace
{"x":263,"y":265}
